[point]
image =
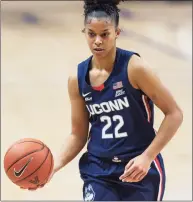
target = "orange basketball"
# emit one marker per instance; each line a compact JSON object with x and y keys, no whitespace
{"x":28,"y":163}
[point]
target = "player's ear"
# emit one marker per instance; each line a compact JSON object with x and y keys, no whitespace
{"x":118,"y":31}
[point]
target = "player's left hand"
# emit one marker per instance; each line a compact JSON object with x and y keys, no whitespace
{"x":136,"y":169}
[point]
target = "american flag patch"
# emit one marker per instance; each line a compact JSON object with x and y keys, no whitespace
{"x":117,"y":85}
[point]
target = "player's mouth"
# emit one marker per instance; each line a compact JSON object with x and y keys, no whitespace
{"x":99,"y":50}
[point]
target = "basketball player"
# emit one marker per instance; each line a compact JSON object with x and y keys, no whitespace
{"x":114,"y":90}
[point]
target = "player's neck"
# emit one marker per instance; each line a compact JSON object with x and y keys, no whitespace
{"x":106,"y":63}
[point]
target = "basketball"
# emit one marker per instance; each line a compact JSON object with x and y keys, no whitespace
{"x":28,"y":163}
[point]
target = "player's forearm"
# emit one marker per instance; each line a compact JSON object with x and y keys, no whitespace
{"x":167,"y":130}
{"x":73,"y":146}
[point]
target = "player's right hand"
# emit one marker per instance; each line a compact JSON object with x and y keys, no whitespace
{"x":41,"y":185}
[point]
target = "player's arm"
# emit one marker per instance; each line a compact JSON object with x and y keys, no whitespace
{"x":142,"y":77}
{"x":79,"y":126}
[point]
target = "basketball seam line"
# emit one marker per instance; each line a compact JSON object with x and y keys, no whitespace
{"x":35,"y":170}
{"x":25,"y":156}
{"x":20,"y":143}
{"x":50,"y":168}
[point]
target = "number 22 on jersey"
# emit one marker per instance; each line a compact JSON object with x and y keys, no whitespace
{"x":108,"y":120}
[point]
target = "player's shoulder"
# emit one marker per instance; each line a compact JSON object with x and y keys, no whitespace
{"x":129,"y":53}
{"x":73,"y":79}
{"x":138,"y":63}
{"x":135,"y":59}
{"x":73,"y":88}
{"x":84,"y":62}
{"x":73,"y":76}
{"x":138,"y":67}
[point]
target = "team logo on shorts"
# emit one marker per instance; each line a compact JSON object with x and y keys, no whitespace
{"x":116,"y":159}
{"x":89,"y":193}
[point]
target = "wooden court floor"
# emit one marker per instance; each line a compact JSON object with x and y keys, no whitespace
{"x":42,"y":43}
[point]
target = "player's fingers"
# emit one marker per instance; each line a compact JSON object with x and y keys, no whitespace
{"x":129,"y":164}
{"x":132,"y":176}
{"x":32,"y":189}
{"x":127,"y":172}
{"x":39,"y":186}
{"x":138,"y":177}
{"x":127,"y":177}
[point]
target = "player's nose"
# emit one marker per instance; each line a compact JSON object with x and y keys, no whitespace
{"x":98,"y":41}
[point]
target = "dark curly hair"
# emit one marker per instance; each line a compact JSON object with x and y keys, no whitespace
{"x":102,"y":8}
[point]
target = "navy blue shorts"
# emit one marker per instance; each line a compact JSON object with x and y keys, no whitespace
{"x":101,"y":181}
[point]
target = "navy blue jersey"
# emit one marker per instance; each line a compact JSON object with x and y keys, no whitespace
{"x":121,"y":117}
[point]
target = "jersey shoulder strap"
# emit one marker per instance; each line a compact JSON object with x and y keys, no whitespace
{"x":81,"y":73}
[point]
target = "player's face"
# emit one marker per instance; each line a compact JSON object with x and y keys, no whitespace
{"x":101,"y":36}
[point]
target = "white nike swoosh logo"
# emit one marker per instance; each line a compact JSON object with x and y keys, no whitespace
{"x":84,"y":95}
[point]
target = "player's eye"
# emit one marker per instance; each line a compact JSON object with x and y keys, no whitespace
{"x":106,"y":34}
{"x":91,"y":34}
